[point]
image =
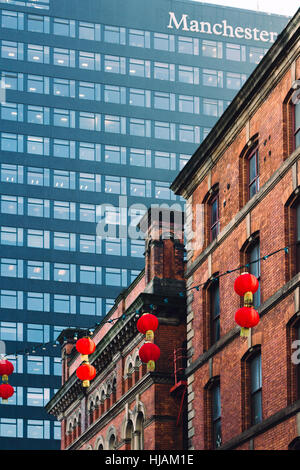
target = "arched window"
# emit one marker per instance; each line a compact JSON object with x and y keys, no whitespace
{"x":292,"y":230}
{"x":251,"y":388}
{"x":112,"y":442}
{"x":213,"y":423}
{"x":139,"y":432}
{"x":211,"y":312}
{"x":250,"y":255}
{"x":296,"y":115}
{"x":249,"y":171}
{"x":211,"y":215}
{"x":129,"y":438}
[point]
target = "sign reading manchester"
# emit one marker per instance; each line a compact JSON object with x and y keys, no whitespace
{"x":220,"y":29}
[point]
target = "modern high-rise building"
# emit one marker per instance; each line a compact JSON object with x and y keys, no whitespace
{"x":102,"y":103}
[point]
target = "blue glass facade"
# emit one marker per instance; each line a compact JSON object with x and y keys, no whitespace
{"x":104,"y":103}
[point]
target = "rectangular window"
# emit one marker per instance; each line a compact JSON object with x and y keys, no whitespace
{"x":114,"y":34}
{"x":89,"y":61}
{"x":37,"y":145}
{"x":188,"y":104}
{"x":38,"y":429}
{"x":235,"y":81}
{"x":90,"y":121}
{"x":90,"y":306}
{"x":140,"y":127}
{"x":63,"y":179}
{"x":89,"y":244}
{"x":139,"y":68}
{"x":64,"y":27}
{"x":214,"y":217}
{"x":188,"y":74}
{"x":64,"y":272}
{"x":214,"y":294}
{"x":63,"y":57}
{"x":163,"y":42}
{"x":39,"y":302}
{"x":88,"y":151}
{"x":11,"y":299}
{"x":37,"y":84}
{"x":212,"y":49}
{"x":12,"y":205}
{"x":38,"y":115}
{"x":90,"y":274}
{"x":164,"y":130}
{"x":63,"y":148}
{"x":235,"y":52}
{"x":38,"y":24}
{"x":114,"y":154}
{"x":38,"y":270}
{"x":12,"y":80}
{"x":12,"y":111}
{"x":37,"y":396}
{"x":38,"y":365}
{"x":12,"y":50}
{"x":212,"y":107}
{"x":89,"y":91}
{"x":163,"y":71}
{"x":256,"y":54}
{"x":114,"y":64}
{"x":212,"y":78}
{"x":163,"y":100}
{"x":89,"y":31}
{"x":11,"y":142}
{"x":63,"y":117}
{"x":162,"y":190}
{"x":114,"y":94}
{"x":116,"y":124}
{"x":256,"y":390}
{"x":253,"y":173}
{"x":38,"y":238}
{"x":139,"y":97}
{"x":38,"y":176}
{"x":63,"y":87}
{"x":10,"y":331}
{"x":189,"y":133}
{"x":64,"y":303}
{"x":254,"y":268}
{"x":87,"y":213}
{"x":165,"y":160}
{"x":12,"y":20}
{"x":64,"y":241}
{"x":139,"y":38}
{"x":89,"y":182}
{"x":64,"y":210}
{"x":38,"y":207}
{"x":11,"y":236}
{"x":115,"y":277}
{"x":11,"y":173}
{"x":11,"y":427}
{"x":11,"y":267}
{"x":38,"y":54}
{"x":188,"y":45}
{"x":216,"y":416}
{"x":137,"y":248}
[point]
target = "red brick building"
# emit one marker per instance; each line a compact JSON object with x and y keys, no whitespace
{"x":243,"y":211}
{"x":125,"y":406}
{"x":244,"y":393}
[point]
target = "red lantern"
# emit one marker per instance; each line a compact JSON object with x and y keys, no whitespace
{"x":6,"y":391}
{"x":246,"y":282}
{"x":147,"y":324}
{"x":149,"y":353}
{"x":246,"y":317}
{"x":86,"y":372}
{"x":6,"y":368}
{"x":85,"y":346}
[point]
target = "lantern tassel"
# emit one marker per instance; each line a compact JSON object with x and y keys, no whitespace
{"x":245,"y":332}
{"x":151,"y":366}
{"x":86,"y":383}
{"x":149,"y":335}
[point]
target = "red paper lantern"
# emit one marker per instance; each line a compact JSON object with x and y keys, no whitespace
{"x":246,"y":282}
{"x":147,"y":322}
{"x":6,"y":391}
{"x":85,"y":346}
{"x":86,"y":372}
{"x":6,"y":367}
{"x":246,"y":317}
{"x":149,"y":352}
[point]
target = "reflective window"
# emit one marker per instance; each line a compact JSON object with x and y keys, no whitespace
{"x":11,"y":173}
{"x":38,"y":54}
{"x":139,"y":68}
{"x":38,"y":270}
{"x":188,"y":45}
{"x":63,"y":117}
{"x":39,"y":302}
{"x":165,"y":160}
{"x":38,"y":24}
{"x":163,"y":42}
{"x":235,"y":52}
{"x":64,"y":210}
{"x":12,"y":50}
{"x":90,"y":274}
{"x":114,"y":64}
{"x":188,"y":104}
{"x":64,"y":303}
{"x":38,"y":176}
{"x":12,"y":111}
{"x":89,"y":182}
{"x":115,"y":124}
{"x":140,"y":127}
{"x":37,"y":238}
{"x":212,"y":78}
{"x":256,"y":389}
{"x":63,"y":148}
{"x":89,"y":91}
{"x":12,"y":19}
{"x":89,"y":121}
{"x":164,"y":130}
{"x":64,"y":27}
{"x":89,"y":244}
{"x":189,"y":133}
{"x":89,"y":31}
{"x":38,"y":115}
{"x":139,"y":97}
{"x":90,"y":306}
{"x":64,"y":57}
{"x":12,"y":80}
{"x":163,"y":100}
{"x":140,"y":157}
{"x":63,"y":87}
{"x":114,"y":94}
{"x":87,"y":213}
{"x":12,"y":205}
{"x":89,"y":151}
{"x":163,"y":71}
{"x":212,"y":49}
{"x":38,"y":429}
{"x":38,"y":207}
{"x":114,"y":154}
{"x":256,"y":54}
{"x":64,"y":241}
{"x":38,"y":145}
{"x":235,"y":81}
{"x":188,"y":74}
{"x":37,"y":84}
{"x":139,"y":38}
{"x":212,"y":107}
{"x":11,"y":142}
{"x":89,"y":60}
{"x":114,"y":34}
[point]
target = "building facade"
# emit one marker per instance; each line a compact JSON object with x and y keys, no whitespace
{"x":243,"y":393}
{"x":104,"y":102}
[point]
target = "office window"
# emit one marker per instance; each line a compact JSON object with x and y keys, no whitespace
{"x":89,"y":182}
{"x":188,"y":104}
{"x":216,"y":415}
{"x":139,"y":97}
{"x":114,"y":94}
{"x":38,"y":54}
{"x":187,"y":45}
{"x":140,"y":157}
{"x":37,"y":145}
{"x":90,"y":274}
{"x":256,"y":389}
{"x":37,"y":84}
{"x":64,"y":27}
{"x":113,"y":246}
{"x":90,"y":121}
{"x":38,"y":207}
{"x":256,"y":54}
{"x":165,"y":160}
{"x":63,"y":148}
{"x":163,"y":100}
{"x":137,"y":248}
{"x":11,"y":142}
{"x":89,"y":91}
{"x":12,"y":111}
{"x":164,"y":42}
{"x":140,"y":127}
{"x":115,"y":124}
{"x":164,"y":130}
{"x":89,"y":244}
{"x":212,"y":107}
{"x":139,"y":68}
{"x":38,"y":176}
{"x":12,"y":205}
{"x":11,"y":236}
{"x":38,"y":270}
{"x":163,"y":71}
{"x":188,"y":74}
{"x":11,"y":299}
{"x":11,"y":427}
{"x":38,"y":115}
{"x":38,"y":333}
{"x":10,"y":331}
{"x":183,"y":159}
{"x":115,"y":185}
{"x":89,"y":31}
{"x":162,"y":190}
{"x":189,"y":133}
{"x":12,"y":50}
{"x":115,"y":277}
{"x":140,"y":188}
{"x":114,"y":34}
{"x":38,"y":365}
{"x":64,"y":241}
{"x":63,"y":117}
{"x":12,"y":80}
{"x":64,"y":303}
{"x":212,"y":49}
{"x":64,"y":179}
{"x":138,"y":38}
{"x":89,"y":61}
{"x":11,"y":267}
{"x":253,"y":173}
{"x":12,"y":20}
{"x":37,"y":396}
{"x":37,"y":238}
{"x":90,"y":306}
{"x":57,"y":370}
{"x":235,"y":52}
{"x":11,"y":173}
{"x":64,"y":272}
{"x":38,"y":24}
{"x":38,"y":429}
{"x":87,"y":213}
{"x":64,"y":210}
{"x":212,"y":78}
{"x":63,"y":87}
{"x":63,"y":57}
{"x":235,"y":81}
{"x":88,"y":151}
{"x":39,"y":302}
{"x":114,"y":154}
{"x":114,"y":64}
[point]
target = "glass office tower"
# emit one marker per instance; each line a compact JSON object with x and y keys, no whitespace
{"x":102,"y":103}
